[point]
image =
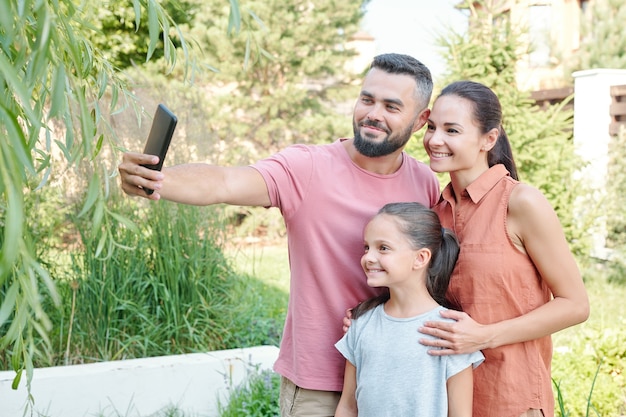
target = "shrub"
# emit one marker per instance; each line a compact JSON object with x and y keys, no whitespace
{"x":257,"y":396}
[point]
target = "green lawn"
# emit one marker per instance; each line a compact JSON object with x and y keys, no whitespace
{"x":269,"y":263}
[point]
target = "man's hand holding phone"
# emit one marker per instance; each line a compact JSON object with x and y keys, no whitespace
{"x":159,"y":139}
{"x":136,"y":178}
{"x":140,"y":173}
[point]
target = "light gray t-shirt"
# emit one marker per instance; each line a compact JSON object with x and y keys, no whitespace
{"x":395,"y":375}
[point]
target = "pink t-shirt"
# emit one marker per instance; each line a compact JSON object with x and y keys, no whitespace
{"x":326,"y":200}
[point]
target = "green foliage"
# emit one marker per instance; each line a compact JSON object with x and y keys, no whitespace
{"x":172,"y":292}
{"x":280,"y":78}
{"x":617,"y":269}
{"x":542,"y":139}
{"x":54,"y":83}
{"x":487,"y":53}
{"x":597,"y":346}
{"x":257,"y":396}
{"x":602,"y":25}
{"x":124,"y":41}
{"x":597,"y":357}
{"x":562,"y":407}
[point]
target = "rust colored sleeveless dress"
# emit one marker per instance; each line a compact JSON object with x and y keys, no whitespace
{"x":494,"y":281}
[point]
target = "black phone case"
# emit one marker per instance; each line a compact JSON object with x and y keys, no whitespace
{"x":160,"y":136}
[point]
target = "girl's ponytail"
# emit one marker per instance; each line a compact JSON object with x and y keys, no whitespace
{"x":441,"y":267}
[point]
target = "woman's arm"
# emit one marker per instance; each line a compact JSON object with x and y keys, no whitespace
{"x":460,"y":393}
{"x":347,"y":403}
{"x":534,"y":228}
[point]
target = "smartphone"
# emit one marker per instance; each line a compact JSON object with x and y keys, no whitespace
{"x":160,"y":136}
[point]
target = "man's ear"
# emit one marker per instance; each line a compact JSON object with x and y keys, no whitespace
{"x":421,"y":120}
{"x":422,"y":258}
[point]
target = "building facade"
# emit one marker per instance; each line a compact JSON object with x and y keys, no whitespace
{"x":550,"y":35}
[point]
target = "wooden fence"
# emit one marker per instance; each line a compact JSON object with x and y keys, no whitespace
{"x":544,"y":98}
{"x":617,"y":109}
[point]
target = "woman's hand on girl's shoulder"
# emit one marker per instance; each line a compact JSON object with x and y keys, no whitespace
{"x":463,"y":335}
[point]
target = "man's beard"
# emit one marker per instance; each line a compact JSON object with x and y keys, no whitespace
{"x":389,"y":145}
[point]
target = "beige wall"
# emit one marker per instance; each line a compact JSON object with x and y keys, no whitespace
{"x":561,"y":38}
{"x":555,"y":24}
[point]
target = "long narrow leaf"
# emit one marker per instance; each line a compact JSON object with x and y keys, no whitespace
{"x":6,"y":14}
{"x":153,"y":28}
{"x":45,"y":277}
{"x":13,"y":227}
{"x":234,"y":18}
{"x":137,"y":8}
{"x":124,"y":221}
{"x":103,"y":81}
{"x":98,"y":216}
{"x":19,"y":152}
{"x":41,"y":48}
{"x":8,"y":303}
{"x":9,"y":73}
{"x":92,"y":195}
{"x":57,"y":99}
{"x":16,"y":381}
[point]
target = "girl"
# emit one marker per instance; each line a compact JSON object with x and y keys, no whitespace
{"x":516,"y":279}
{"x":388,"y":373}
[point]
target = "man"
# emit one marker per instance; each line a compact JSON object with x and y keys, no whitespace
{"x":326,"y":194}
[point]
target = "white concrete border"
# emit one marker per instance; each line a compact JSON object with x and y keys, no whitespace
{"x":191,"y":383}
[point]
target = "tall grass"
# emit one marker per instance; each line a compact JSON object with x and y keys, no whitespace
{"x":169,"y":294}
{"x":174,"y":291}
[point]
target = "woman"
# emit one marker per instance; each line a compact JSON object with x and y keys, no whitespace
{"x":516,"y":280}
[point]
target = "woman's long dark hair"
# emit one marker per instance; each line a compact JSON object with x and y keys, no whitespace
{"x":487,"y":115}
{"x":422,"y":228}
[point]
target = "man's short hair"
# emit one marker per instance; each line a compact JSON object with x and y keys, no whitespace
{"x":405,"y":64}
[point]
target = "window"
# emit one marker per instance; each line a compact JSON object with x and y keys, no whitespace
{"x":584,"y":5}
{"x":539,"y":22}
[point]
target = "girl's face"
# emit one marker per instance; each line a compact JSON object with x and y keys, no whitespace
{"x":453,"y":140}
{"x":389,"y":258}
